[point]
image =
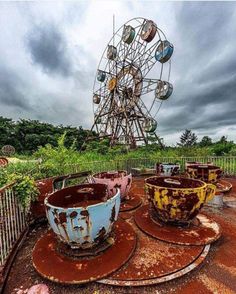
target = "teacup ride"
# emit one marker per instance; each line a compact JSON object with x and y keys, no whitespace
{"x":84,"y":235}
{"x":173,"y":211}
{"x":211,"y":174}
{"x":167,"y":169}
{"x":122,"y":180}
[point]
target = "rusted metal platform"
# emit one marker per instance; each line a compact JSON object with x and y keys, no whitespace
{"x":202,"y":231}
{"x":133,"y":202}
{"x":217,"y":273}
{"x":57,"y":267}
{"x":155,"y":262}
{"x":223,"y":186}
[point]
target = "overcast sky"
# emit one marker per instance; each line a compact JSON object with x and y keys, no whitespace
{"x":49,"y":53}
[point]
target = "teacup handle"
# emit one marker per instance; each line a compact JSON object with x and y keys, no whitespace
{"x":210,"y":192}
{"x":85,"y":190}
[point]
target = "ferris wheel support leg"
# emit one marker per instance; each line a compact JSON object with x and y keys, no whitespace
{"x":159,"y":141}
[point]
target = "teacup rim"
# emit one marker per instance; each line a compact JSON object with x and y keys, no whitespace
{"x":46,"y":203}
{"x":205,"y":166}
{"x":112,"y":171}
{"x":171,"y":177}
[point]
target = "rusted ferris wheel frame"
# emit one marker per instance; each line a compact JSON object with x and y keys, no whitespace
{"x":121,"y":112}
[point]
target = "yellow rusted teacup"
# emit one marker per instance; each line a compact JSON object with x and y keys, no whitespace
{"x":176,"y":199}
{"x":205,"y":172}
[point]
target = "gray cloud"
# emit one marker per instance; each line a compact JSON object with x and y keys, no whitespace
{"x":12,"y":90}
{"x":48,"y":48}
{"x":209,"y":108}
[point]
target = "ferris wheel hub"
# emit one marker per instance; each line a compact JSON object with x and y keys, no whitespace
{"x":112,"y":84}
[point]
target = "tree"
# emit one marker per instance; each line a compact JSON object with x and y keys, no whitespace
{"x":223,"y":140}
{"x":7,"y":133}
{"x":187,"y":139}
{"x":206,"y":141}
{"x":223,"y":147}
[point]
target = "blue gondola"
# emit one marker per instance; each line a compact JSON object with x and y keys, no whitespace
{"x":101,"y":75}
{"x":164,"y":51}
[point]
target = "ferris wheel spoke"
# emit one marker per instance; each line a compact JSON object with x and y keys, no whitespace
{"x":102,"y":92}
{"x":149,"y":85}
{"x":103,"y":107}
{"x":158,"y":108}
{"x":109,"y":115}
{"x":141,"y":45}
{"x":130,"y":53}
{"x":139,"y":51}
{"x":147,"y":61}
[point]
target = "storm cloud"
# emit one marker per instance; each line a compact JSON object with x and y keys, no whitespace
{"x":49,"y":53}
{"x":12,"y":91}
{"x":48,"y":49}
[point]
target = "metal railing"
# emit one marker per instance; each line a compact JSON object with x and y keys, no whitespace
{"x":12,"y":222}
{"x":228,"y":164}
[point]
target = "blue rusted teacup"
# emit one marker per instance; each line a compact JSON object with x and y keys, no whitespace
{"x":167,"y":169}
{"x":83,"y":215}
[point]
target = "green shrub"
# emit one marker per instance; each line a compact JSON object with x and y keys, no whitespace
{"x":24,"y":187}
{"x":220,"y":149}
{"x":232,"y":152}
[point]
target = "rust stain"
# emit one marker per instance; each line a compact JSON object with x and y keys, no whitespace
{"x":62,"y":217}
{"x":84,"y":212}
{"x":101,"y":235}
{"x":113,"y":214}
{"x":73,"y":214}
{"x":230,"y":269}
{"x":131,"y":202}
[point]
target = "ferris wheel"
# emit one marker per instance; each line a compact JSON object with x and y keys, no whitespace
{"x":131,"y":83}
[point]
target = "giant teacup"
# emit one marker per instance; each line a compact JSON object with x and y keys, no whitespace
{"x":205,"y":172}
{"x":115,"y":179}
{"x":176,"y":199}
{"x":82,"y":216}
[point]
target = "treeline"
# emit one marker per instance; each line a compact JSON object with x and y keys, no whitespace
{"x":27,"y":135}
{"x":221,"y":147}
